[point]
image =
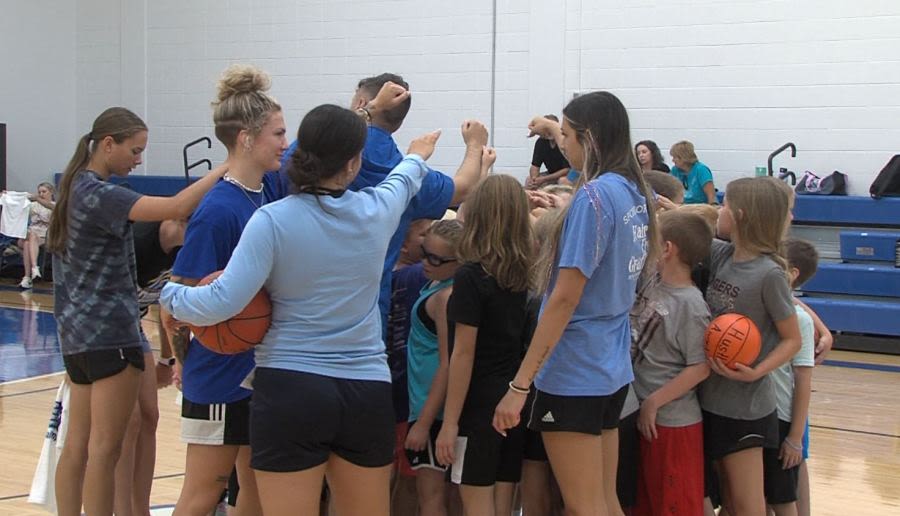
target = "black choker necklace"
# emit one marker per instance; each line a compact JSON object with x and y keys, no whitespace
{"x":321,"y":190}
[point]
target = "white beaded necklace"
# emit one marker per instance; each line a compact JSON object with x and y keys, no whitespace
{"x":246,"y":189}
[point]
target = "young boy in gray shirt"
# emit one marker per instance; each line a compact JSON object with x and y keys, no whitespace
{"x":669,"y":320}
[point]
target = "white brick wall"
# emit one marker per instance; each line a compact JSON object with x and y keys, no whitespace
{"x":37,"y":88}
{"x":737,"y":77}
{"x":740,"y":78}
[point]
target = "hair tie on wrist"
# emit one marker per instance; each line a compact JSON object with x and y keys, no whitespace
{"x":792,"y":445}
{"x":519,"y":390}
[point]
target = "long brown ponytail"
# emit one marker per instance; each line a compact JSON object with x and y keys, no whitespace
{"x":116,"y":122}
{"x":601,"y":125}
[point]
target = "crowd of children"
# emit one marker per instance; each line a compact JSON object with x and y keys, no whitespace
{"x":549,"y":339}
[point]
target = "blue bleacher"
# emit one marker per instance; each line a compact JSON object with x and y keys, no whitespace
{"x":870,"y":246}
{"x":855,"y":279}
{"x":859,"y":316}
{"x":840,"y":210}
{"x":856,"y":290}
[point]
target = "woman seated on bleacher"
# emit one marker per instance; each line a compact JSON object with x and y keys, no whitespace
{"x":38,"y":222}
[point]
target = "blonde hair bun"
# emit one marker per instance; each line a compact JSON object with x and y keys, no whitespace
{"x":242,"y":78}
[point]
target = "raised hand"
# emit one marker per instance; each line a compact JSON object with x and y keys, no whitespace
{"x":474,"y":133}
{"x":488,"y":157}
{"x":424,"y":145}
{"x":543,"y":127}
{"x":389,"y":96}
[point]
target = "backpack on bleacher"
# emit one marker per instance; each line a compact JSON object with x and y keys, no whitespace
{"x":887,"y":184}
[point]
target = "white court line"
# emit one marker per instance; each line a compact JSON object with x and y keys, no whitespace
{"x":20,"y":380}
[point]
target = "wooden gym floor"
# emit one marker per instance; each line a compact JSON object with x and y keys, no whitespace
{"x":855,"y":417}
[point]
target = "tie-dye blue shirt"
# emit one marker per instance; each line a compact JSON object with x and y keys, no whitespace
{"x":95,"y":283}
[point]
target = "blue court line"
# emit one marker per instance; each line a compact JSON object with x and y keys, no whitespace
{"x":863,"y":365}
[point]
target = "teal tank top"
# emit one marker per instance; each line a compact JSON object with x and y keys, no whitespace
{"x":422,"y":354}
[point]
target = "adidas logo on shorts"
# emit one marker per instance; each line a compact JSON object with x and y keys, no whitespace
{"x":548,"y":418}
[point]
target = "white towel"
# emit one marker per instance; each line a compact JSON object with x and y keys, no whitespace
{"x":43,"y":490}
{"x":14,"y":218}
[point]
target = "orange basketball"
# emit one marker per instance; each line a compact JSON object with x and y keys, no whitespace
{"x":241,"y":332}
{"x":733,"y":338}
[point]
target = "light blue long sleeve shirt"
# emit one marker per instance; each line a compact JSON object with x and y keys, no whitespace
{"x":320,"y":258}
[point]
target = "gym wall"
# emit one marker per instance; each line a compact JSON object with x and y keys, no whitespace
{"x":737,"y":77}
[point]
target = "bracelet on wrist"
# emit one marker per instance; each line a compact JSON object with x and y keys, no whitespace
{"x":166,"y":361}
{"x":793,"y":445}
{"x":364,"y":112}
{"x":518,"y":390}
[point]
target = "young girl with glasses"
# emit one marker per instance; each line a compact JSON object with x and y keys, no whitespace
{"x":428,"y":362}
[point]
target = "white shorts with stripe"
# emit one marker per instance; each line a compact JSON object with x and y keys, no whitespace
{"x":216,"y":424}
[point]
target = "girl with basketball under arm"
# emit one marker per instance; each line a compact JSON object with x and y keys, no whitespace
{"x":93,"y":260}
{"x":215,"y":411}
{"x":322,"y":400}
{"x":748,"y":276}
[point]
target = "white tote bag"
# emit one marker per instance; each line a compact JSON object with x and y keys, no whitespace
{"x":43,"y":491}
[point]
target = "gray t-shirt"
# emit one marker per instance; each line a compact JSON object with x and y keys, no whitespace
{"x":758,"y":289}
{"x":667,"y":329}
{"x":95,"y":283}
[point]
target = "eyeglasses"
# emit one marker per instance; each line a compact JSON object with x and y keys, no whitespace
{"x":435,"y":260}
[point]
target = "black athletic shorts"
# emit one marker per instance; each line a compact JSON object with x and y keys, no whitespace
{"x":780,"y":483}
{"x":90,"y":366}
{"x":629,"y":460}
{"x":723,"y":435}
{"x":298,"y":419}
{"x":484,"y":457}
{"x":534,"y":447}
{"x":582,"y":414}
{"x":427,"y":458}
{"x":534,"y":443}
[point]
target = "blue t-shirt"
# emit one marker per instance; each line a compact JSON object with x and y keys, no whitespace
{"x":212,"y":234}
{"x":694,"y":180}
{"x":379,"y":157}
{"x":406,"y":283}
{"x":605,"y":237}
{"x":319,"y":258}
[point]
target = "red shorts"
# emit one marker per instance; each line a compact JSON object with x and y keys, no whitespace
{"x":670,"y":480}
{"x":400,"y":460}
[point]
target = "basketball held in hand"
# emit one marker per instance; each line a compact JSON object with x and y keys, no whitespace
{"x":241,"y":332}
{"x":733,"y":338}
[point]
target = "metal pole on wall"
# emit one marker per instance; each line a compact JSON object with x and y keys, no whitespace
{"x":493,"y":67}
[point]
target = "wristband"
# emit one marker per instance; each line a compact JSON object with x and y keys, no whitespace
{"x":518,"y":390}
{"x":168,"y":362}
